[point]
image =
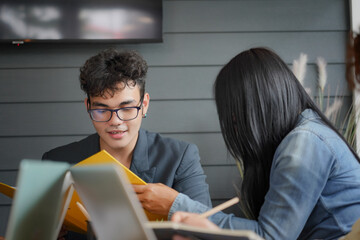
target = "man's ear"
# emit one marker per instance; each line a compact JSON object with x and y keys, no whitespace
{"x":145,"y":103}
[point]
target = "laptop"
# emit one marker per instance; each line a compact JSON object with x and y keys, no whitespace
{"x":115,"y":212}
{"x":119,"y":214}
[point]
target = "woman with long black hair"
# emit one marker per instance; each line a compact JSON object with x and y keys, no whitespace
{"x":301,"y":179}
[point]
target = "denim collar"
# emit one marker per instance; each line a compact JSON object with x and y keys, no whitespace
{"x":306,"y":115}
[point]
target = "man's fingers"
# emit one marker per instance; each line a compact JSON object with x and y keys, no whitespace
{"x":139,"y":188}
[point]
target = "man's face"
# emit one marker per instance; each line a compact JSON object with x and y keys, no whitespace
{"x":116,"y":134}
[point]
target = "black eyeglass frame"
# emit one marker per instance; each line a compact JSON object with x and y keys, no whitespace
{"x":114,"y":110}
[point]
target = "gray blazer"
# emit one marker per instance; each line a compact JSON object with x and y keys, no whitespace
{"x":156,"y":159}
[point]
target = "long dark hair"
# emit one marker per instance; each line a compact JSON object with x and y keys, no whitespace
{"x":258,"y":100}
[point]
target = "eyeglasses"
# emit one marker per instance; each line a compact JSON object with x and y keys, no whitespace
{"x":104,"y":115}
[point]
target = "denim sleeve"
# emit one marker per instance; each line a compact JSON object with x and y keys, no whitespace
{"x":190,"y":178}
{"x":299,"y":172}
{"x":185,"y":204}
{"x":301,"y":166}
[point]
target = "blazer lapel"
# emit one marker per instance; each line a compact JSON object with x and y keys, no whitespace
{"x":140,"y":162}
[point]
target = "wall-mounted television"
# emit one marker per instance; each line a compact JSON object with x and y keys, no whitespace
{"x":126,"y":21}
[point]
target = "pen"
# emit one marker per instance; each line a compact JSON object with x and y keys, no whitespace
{"x":83,"y":210}
{"x":220,"y":207}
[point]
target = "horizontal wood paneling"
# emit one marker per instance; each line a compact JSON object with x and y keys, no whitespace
{"x":52,"y":84}
{"x":223,"y":181}
{"x":8,"y":177}
{"x":14,"y":149}
{"x":4,"y":214}
{"x":5,"y":201}
{"x":44,"y":119}
{"x":252,"y":15}
{"x":211,"y":146}
{"x":336,"y":83}
{"x":163,"y":83}
{"x":185,"y":49}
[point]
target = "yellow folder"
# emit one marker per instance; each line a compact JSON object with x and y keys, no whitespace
{"x":75,"y":219}
{"x":7,"y":190}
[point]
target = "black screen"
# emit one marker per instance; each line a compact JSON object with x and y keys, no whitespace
{"x":73,"y":20}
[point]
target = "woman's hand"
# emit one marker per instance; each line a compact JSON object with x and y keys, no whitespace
{"x":193,"y":219}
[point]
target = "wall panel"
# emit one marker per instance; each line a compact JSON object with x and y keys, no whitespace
{"x":4,"y":214}
{"x":163,"y":83}
{"x":253,"y":15}
{"x":186,"y":49}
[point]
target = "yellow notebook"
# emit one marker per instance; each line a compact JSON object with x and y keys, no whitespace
{"x":7,"y":190}
{"x":104,"y":157}
{"x":74,"y":218}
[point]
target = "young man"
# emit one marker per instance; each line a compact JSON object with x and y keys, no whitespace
{"x":116,"y":101}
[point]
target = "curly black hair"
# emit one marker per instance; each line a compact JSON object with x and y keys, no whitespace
{"x":101,"y":73}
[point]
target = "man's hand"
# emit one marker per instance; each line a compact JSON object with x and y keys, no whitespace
{"x":62,"y":233}
{"x":156,"y":197}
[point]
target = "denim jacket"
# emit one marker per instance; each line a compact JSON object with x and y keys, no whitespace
{"x":314,"y":188}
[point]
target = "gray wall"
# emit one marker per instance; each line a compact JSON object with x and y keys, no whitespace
{"x":41,"y":103}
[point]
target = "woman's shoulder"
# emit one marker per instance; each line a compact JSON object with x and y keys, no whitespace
{"x":311,"y":125}
{"x":311,"y":140}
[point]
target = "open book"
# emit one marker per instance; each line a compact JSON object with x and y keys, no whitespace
{"x":74,"y":219}
{"x":165,"y":230}
{"x":106,"y":193}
